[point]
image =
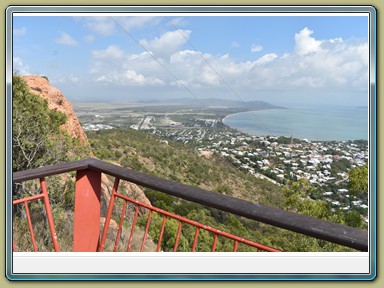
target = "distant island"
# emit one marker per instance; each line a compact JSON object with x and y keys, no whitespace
{"x":213,"y":102}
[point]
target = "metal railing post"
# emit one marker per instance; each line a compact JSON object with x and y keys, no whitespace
{"x":86,"y":230}
{"x":87,"y":210}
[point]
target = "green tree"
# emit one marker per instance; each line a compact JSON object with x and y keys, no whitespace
{"x":37,"y":140}
{"x":296,"y":195}
{"x":358,"y":180}
{"x":36,"y":134}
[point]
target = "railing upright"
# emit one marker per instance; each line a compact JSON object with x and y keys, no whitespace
{"x":86,"y":229}
{"x":49,"y":215}
{"x":108,"y":216}
{"x":87,"y":209}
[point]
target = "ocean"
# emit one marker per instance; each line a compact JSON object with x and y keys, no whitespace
{"x":315,"y":123}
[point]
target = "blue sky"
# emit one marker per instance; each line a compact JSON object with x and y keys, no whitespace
{"x":279,"y":59}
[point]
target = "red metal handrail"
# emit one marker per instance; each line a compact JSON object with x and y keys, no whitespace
{"x":87,"y":209}
{"x":43,"y":195}
{"x":87,"y":206}
{"x":166,"y":215}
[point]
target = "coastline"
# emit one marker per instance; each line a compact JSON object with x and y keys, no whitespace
{"x":333,"y":124}
{"x":248,"y":111}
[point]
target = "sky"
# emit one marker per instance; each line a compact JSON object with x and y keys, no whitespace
{"x":278,"y":59}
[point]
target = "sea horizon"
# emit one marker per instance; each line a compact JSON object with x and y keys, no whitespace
{"x":315,"y":123}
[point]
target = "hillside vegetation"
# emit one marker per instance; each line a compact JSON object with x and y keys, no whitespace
{"x":174,"y":161}
{"x":38,"y":140}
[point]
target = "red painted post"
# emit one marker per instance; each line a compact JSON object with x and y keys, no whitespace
{"x":161,"y":233}
{"x":108,"y":216}
{"x":177,"y":237}
{"x":133,"y":228}
{"x":235,"y":245}
{"x":214,"y":243}
{"x":47,"y":205}
{"x":146,"y":231}
{"x":86,"y":229}
{"x":122,"y":217}
{"x":30,"y":226}
{"x":195,"y":239}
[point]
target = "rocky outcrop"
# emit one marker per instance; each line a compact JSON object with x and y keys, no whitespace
{"x":56,"y":101}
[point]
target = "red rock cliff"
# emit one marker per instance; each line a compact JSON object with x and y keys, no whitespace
{"x":56,"y":101}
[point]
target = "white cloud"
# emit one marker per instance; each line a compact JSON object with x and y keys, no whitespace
{"x":19,"y":31}
{"x":266,"y":58}
{"x":322,"y":64}
{"x":336,"y":40}
{"x":112,"y":52}
{"x":256,"y":48}
{"x":178,"y":21}
{"x":312,"y":82}
{"x":114,"y":65}
{"x":210,"y":77}
{"x":100,"y":25}
{"x":168,"y":43}
{"x":132,"y":77}
{"x":306,"y":44}
{"x":107,"y":25}
{"x":128,"y":77}
{"x":19,"y":67}
{"x":137,"y":22}
{"x":65,"y":79}
{"x":66,"y":39}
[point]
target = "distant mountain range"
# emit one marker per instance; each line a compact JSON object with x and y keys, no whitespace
{"x":213,"y":102}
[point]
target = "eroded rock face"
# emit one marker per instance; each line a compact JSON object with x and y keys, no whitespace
{"x":56,"y":101}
